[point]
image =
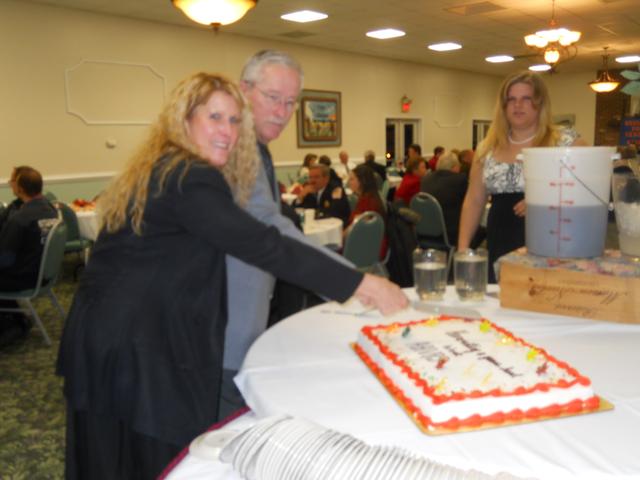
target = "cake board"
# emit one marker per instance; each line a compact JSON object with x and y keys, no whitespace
{"x":604,"y":405}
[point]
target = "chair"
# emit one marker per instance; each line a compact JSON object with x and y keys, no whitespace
{"x":384,"y":192}
{"x":50,"y":265}
{"x":75,"y":243}
{"x":50,"y":196}
{"x":431,"y":231}
{"x":363,"y":241}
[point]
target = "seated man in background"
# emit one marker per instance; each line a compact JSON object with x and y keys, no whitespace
{"x":410,"y":185}
{"x":22,"y":239}
{"x":370,"y":161}
{"x":333,"y":176}
{"x":328,"y":199}
{"x":344,"y":167}
{"x":449,"y":186}
{"x":14,"y":206}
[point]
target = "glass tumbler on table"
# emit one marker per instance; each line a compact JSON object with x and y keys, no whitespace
{"x":470,"y":273}
{"x":626,"y":200}
{"x":430,"y":273}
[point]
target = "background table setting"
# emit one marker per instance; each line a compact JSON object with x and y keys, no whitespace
{"x":324,"y":231}
{"x":304,"y":367}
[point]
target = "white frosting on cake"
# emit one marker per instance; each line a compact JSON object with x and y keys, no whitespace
{"x":454,"y":357}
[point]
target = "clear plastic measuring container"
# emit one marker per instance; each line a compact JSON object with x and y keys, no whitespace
{"x":567,"y":196}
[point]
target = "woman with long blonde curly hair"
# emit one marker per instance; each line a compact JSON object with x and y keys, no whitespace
{"x":142,"y":349}
{"x":169,"y":145}
{"x":522,"y":118}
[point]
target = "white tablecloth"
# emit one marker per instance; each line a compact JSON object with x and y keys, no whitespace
{"x":325,"y":231}
{"x":304,"y":366}
{"x":88,"y":224}
{"x":394,"y":180}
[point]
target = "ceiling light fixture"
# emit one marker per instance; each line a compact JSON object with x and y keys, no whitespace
{"x":542,"y":67}
{"x":499,"y":59}
{"x":554,"y":43}
{"x":445,"y":46}
{"x":386,"y":33}
{"x":214,"y":12}
{"x":604,"y":83}
{"x":628,"y":59}
{"x":304,"y":16}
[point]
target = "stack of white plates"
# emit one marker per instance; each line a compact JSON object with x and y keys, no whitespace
{"x":286,"y":448}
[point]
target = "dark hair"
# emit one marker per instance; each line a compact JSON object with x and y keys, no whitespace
{"x":324,"y":160}
{"x":29,"y":181}
{"x":367,"y":179}
{"x":18,"y":170}
{"x":438,"y":150}
{"x":308,"y":158}
{"x":416,"y":148}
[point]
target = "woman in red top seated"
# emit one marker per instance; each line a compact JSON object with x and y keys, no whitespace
{"x":362,"y":182}
{"x":410,"y":185}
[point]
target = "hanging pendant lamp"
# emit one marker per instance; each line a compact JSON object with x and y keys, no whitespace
{"x":214,"y":12}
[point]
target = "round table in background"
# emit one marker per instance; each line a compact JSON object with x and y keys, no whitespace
{"x":324,"y":231}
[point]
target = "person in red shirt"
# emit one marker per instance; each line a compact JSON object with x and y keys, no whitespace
{"x":362,"y":182}
{"x":410,"y":185}
{"x":433,"y":161}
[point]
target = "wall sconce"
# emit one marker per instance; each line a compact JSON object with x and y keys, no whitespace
{"x":214,"y":12}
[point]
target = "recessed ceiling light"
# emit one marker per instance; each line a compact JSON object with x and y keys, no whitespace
{"x":386,"y":33}
{"x":304,"y":16}
{"x":628,"y":59}
{"x":543,"y":67}
{"x":445,"y":47}
{"x":499,"y":59}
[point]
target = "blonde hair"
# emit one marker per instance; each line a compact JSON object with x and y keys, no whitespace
{"x":498,"y":135}
{"x":169,"y":145}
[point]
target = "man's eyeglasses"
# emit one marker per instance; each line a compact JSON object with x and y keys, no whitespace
{"x":276,"y":100}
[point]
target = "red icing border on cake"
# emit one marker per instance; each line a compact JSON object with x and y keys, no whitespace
{"x":475,"y":420}
{"x":497,"y":418}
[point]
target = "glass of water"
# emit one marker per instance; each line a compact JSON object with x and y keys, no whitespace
{"x":430,"y":273}
{"x":470,"y":273}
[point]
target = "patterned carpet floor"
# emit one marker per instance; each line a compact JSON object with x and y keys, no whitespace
{"x":32,"y":412}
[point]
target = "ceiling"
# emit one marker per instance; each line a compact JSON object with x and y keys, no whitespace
{"x":482,"y":27}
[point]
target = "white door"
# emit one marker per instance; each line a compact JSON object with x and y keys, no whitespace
{"x":401,"y":132}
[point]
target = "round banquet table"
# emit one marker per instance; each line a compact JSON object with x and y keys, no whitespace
{"x":87,"y":224}
{"x":305,"y":366}
{"x":324,"y":231}
{"x":394,"y":180}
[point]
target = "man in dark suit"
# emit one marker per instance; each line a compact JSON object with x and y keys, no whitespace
{"x":449,"y":187}
{"x":22,"y":238}
{"x":326,"y":197}
{"x":370,"y":161}
{"x":15,"y":205}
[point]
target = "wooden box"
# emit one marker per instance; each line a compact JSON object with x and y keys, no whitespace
{"x":603,"y":288}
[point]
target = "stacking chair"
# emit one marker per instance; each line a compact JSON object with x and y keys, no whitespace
{"x":384,"y":192}
{"x":50,"y":266}
{"x":431,"y":231}
{"x":50,"y":196}
{"x":75,"y":243}
{"x":363,"y":241}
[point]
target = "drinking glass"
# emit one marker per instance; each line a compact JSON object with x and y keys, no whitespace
{"x":626,"y":201}
{"x":430,"y":273}
{"x":470,"y":273}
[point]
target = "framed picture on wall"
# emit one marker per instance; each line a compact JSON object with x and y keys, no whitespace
{"x":319,"y":119}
